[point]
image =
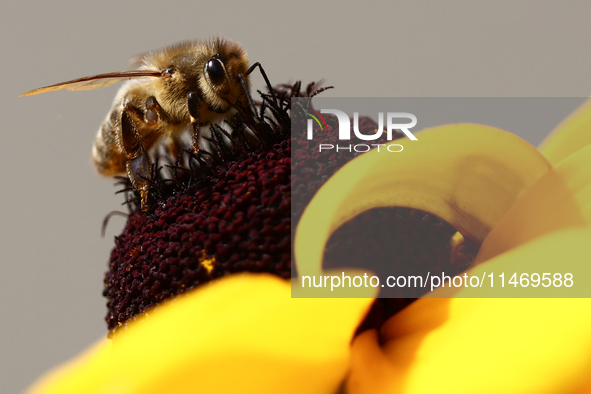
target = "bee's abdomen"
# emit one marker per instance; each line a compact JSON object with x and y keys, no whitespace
{"x":106,"y":155}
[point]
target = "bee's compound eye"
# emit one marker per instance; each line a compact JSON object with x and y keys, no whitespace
{"x":215,"y":70}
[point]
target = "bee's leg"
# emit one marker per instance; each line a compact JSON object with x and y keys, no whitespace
{"x":193,"y":105}
{"x":153,"y":118}
{"x":138,"y":163}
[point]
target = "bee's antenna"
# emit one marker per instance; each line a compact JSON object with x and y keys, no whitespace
{"x":253,"y":108}
{"x":257,"y":64}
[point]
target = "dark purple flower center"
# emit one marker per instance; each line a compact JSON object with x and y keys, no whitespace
{"x":228,"y":210}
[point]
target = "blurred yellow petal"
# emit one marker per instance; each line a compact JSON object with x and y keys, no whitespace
{"x":241,"y":334}
{"x":487,"y":346}
{"x":570,"y":135}
{"x":490,"y":345}
{"x":67,"y":378}
{"x":467,"y":174}
{"x":561,"y":199}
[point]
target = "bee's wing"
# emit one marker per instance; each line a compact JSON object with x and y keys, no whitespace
{"x":95,"y":81}
{"x":138,"y":60}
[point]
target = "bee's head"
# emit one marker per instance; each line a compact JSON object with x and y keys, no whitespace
{"x":221,"y":83}
{"x":211,"y":69}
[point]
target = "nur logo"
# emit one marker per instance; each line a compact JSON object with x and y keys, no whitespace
{"x":345,"y":129}
{"x":345,"y":124}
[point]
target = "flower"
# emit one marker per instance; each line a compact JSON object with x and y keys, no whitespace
{"x":244,"y":332}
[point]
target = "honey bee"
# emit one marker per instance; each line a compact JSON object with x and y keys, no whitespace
{"x":181,"y":87}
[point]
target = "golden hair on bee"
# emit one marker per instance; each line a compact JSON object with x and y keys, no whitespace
{"x":218,"y":88}
{"x":176,"y":89}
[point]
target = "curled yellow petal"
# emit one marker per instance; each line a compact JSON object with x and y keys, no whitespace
{"x":467,"y":174}
{"x":560,"y":199}
{"x":570,"y":135}
{"x":554,"y":265}
{"x":488,"y":345}
{"x":243,"y":334}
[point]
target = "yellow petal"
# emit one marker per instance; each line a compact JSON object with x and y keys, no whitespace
{"x":570,"y":135}
{"x":69,"y":377}
{"x":487,"y":345}
{"x":468,"y":175}
{"x":241,"y":334}
{"x":560,"y":199}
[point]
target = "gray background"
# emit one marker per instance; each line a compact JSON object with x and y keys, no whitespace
{"x":53,"y":257}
